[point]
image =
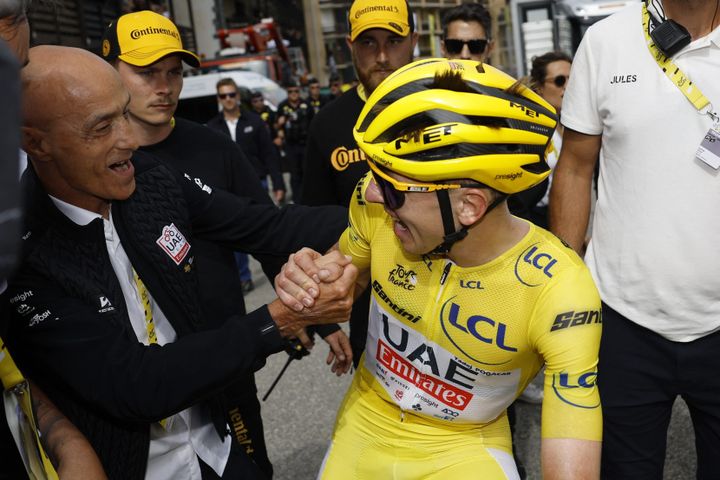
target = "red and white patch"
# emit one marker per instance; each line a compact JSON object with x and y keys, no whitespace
{"x":173,"y":243}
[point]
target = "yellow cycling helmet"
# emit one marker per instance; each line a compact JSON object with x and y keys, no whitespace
{"x":438,"y":119}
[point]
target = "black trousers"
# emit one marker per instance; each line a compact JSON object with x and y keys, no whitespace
{"x":640,"y":376}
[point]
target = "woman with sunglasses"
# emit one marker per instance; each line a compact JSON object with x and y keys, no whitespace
{"x":468,"y":301}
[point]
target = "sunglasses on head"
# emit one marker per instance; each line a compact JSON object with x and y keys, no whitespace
{"x":476,"y":46}
{"x":223,"y":96}
{"x":393,"y":190}
{"x":559,"y":80}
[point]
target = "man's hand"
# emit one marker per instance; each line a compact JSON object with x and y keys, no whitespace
{"x":340,"y":354}
{"x":298,"y":283}
{"x":332,"y":303}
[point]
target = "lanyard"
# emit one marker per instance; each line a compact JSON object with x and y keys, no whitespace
{"x":677,"y":76}
{"x":149,"y":324}
{"x":147,"y":308}
{"x":21,"y":419}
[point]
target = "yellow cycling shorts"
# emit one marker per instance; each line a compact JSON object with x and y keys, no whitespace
{"x":374,"y":440}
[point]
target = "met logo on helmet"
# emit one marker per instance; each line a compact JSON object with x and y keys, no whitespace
{"x":429,"y":135}
{"x":528,"y":112}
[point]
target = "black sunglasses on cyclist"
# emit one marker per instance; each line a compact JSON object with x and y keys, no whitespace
{"x":559,"y":80}
{"x":394,"y":199}
{"x":223,"y":96}
{"x":476,"y":46}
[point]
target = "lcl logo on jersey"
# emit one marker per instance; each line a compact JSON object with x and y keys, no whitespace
{"x":457,"y":327}
{"x":564,"y":384}
{"x":539,"y":260}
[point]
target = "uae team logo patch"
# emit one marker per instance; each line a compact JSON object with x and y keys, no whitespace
{"x":173,"y":243}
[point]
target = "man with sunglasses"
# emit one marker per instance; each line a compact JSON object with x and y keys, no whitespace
{"x":248,"y":130}
{"x":466,"y":33}
{"x":381,"y":39}
{"x":250,"y":133}
{"x":468,"y":301}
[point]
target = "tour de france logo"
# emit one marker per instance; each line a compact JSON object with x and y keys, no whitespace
{"x":402,"y":277}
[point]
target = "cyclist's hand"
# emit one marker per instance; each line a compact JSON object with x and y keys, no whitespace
{"x":305,"y":339}
{"x":340,"y":354}
{"x":297,"y":285}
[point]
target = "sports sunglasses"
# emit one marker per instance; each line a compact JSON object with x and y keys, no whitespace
{"x":393,"y":190}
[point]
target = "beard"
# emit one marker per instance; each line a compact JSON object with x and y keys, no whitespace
{"x":370,"y":77}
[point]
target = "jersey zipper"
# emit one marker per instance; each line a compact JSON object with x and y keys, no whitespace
{"x":443,"y":279}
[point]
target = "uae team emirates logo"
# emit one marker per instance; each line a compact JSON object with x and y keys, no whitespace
{"x":173,"y":243}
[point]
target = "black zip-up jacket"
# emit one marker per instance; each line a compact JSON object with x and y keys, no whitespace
{"x":253,"y":137}
{"x":69,"y":327}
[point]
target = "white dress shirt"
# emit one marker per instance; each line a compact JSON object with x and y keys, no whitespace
{"x":189,"y":434}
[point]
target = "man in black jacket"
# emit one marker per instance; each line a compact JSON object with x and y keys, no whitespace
{"x":248,"y":130}
{"x":150,"y":67}
{"x":109,"y":275}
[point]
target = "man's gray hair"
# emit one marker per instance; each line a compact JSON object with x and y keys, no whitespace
{"x":13,"y":10}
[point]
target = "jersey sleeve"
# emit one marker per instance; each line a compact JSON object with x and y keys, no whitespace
{"x":362,"y":220}
{"x":565,"y":330}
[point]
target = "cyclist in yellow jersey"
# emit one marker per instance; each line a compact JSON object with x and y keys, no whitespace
{"x":468,"y":301}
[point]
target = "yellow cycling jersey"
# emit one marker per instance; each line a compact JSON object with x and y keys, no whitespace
{"x":453,"y":346}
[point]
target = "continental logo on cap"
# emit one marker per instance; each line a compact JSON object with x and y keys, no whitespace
{"x":106,"y":48}
{"x":138,"y":33}
{"x":378,"y":8}
{"x":341,"y":157}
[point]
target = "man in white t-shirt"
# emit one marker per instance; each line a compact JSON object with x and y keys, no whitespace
{"x":652,"y":252}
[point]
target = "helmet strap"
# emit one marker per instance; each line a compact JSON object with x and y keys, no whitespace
{"x":451,"y":235}
{"x":448,"y":219}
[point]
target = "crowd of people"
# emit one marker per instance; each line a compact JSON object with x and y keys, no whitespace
{"x":418,"y":208}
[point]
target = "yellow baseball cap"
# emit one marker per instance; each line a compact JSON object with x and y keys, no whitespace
{"x":142,"y":38}
{"x":392,"y":15}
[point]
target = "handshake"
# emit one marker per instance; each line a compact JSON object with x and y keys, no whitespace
{"x":314,"y":289}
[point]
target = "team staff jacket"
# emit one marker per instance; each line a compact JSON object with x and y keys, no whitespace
{"x":214,"y":160}
{"x":253,"y":137}
{"x":457,"y":345}
{"x":70,"y":331}
{"x":333,"y":162}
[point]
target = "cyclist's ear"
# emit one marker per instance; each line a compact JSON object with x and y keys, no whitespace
{"x":472,"y":204}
